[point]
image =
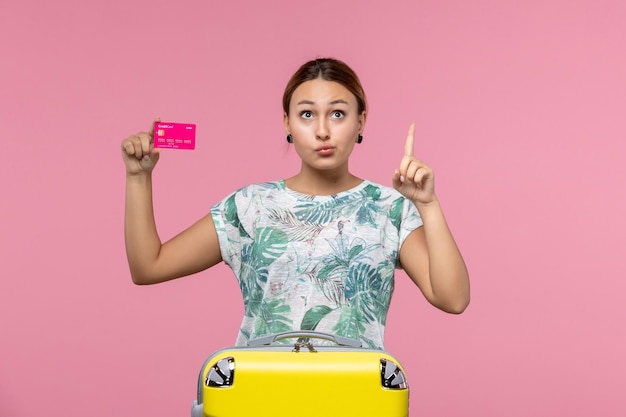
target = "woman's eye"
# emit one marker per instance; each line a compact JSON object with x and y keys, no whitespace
{"x":306,"y":114}
{"x":337,"y":114}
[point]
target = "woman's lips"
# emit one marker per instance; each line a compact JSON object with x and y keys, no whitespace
{"x":325,"y":150}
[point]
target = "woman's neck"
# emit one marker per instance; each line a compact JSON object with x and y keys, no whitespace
{"x":322,"y":183}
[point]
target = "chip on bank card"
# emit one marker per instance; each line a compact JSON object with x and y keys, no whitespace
{"x":174,"y":135}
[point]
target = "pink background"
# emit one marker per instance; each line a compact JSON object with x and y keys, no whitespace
{"x":519,"y":107}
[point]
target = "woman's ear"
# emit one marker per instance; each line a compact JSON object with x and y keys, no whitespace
{"x":362,"y":120}
{"x":286,"y":123}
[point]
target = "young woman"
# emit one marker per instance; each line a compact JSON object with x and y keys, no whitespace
{"x":318,"y":250}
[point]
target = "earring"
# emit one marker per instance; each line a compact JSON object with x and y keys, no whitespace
{"x":359,"y":139}
{"x":289,"y":138}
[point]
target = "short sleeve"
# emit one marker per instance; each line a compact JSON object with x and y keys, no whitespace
{"x":410,"y":221}
{"x":227,"y":225}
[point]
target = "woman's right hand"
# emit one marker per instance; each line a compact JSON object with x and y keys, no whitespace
{"x":138,"y":152}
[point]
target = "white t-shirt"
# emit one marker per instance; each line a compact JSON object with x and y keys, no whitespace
{"x":323,"y":263}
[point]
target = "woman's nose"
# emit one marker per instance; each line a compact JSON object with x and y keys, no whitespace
{"x":321,"y":131}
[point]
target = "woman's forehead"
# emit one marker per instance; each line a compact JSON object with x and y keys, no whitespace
{"x":321,"y":91}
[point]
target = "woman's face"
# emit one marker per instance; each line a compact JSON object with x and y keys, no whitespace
{"x":324,"y":122}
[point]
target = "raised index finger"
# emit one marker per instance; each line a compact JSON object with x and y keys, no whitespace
{"x":408,"y":145}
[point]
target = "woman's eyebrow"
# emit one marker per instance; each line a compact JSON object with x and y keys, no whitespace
{"x":309,"y":102}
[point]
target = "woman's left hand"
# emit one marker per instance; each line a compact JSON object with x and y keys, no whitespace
{"x":414,"y":179}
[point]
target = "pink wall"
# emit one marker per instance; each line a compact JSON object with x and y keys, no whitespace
{"x":519,"y":108}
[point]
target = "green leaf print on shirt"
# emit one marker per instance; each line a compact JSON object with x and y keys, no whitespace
{"x":330,"y":286}
{"x":329,"y":271}
{"x":367,"y":293}
{"x":268,"y":245}
{"x":349,"y":282}
{"x":362,"y":287}
{"x":272,"y":318}
{"x":365,"y":203}
{"x":350,"y":323}
{"x":313,"y":317}
{"x":344,"y":253}
{"x":370,"y":205}
{"x":395,"y":214}
{"x":232,"y":217}
{"x":372,"y":191}
{"x":300,"y":259}
{"x":296,"y":229}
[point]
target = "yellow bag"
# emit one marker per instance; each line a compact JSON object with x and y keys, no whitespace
{"x":301,"y":379}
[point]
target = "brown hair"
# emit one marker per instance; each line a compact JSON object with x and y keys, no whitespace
{"x":328,"y":69}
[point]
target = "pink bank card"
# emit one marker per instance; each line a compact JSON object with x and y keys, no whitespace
{"x":174,"y":135}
